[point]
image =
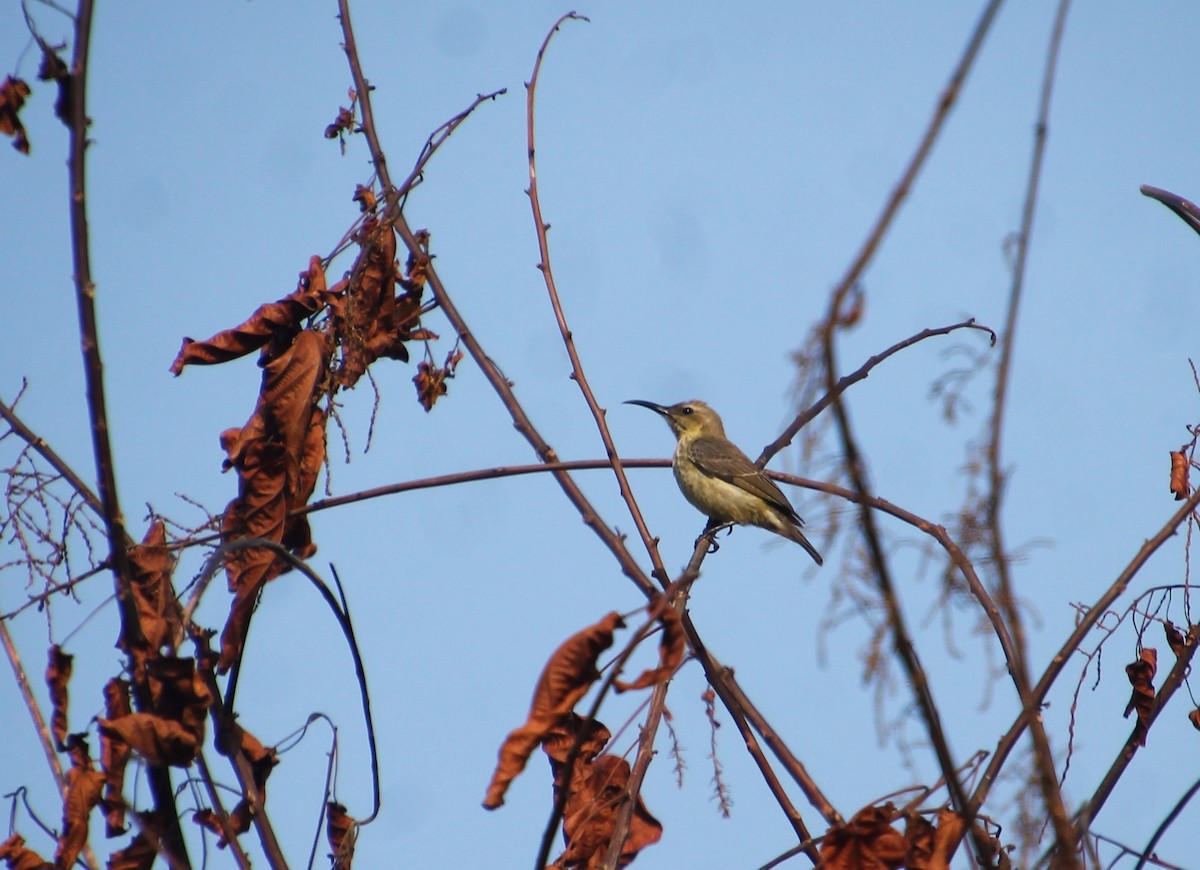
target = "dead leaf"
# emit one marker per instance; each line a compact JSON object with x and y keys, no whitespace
{"x":365,"y":197}
{"x":672,"y":644}
{"x":566,"y":678}
{"x":866,"y":842}
{"x":277,"y":323}
{"x":159,"y":741}
{"x":58,"y":675}
{"x":138,"y":855}
{"x":590,"y":815}
{"x":12,"y":97}
{"x":54,"y":68}
{"x":84,"y":786}
{"x":114,"y":755}
{"x":950,"y":830}
{"x":277,"y":454}
{"x":341,"y":831}
{"x":172,"y":731}
{"x":431,"y":381}
{"x":1175,"y":639}
{"x":18,"y":857}
{"x":158,"y":610}
{"x":1194,"y":718}
{"x":1141,"y":676}
{"x":1179,"y":475}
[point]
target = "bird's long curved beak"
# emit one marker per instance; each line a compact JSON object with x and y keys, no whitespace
{"x":658,"y":409}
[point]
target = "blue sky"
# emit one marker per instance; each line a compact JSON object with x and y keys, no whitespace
{"x":709,"y":172}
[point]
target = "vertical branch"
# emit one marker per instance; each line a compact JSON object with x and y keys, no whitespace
{"x":1043,"y":755}
{"x":577,"y":373}
{"x":85,"y":296}
{"x":35,"y":712}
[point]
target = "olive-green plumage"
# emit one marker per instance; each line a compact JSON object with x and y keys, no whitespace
{"x":720,"y":480}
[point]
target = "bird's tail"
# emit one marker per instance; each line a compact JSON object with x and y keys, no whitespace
{"x":793,"y":533}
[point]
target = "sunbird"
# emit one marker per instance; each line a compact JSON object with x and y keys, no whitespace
{"x":720,"y":480}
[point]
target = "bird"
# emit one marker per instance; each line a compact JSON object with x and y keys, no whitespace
{"x":720,"y":480}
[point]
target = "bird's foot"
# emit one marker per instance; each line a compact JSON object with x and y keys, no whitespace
{"x":710,"y":532}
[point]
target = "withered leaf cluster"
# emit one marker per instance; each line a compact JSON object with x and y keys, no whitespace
{"x":869,"y":842}
{"x":1180,"y":486}
{"x":595,"y":783}
{"x":341,"y":831}
{"x":18,"y":857}
{"x":372,"y":313}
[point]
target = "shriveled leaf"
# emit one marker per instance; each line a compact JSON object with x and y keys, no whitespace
{"x":592,"y":735}
{"x":58,"y":675}
{"x":158,"y":610}
{"x":1141,"y":677}
{"x":159,"y":741}
{"x":12,"y":97}
{"x":275,"y":322}
{"x":866,"y":842}
{"x":672,"y":644}
{"x":1180,"y":486}
{"x":114,"y":755}
{"x":589,"y":817}
{"x":341,"y":831}
{"x":54,"y":68}
{"x":138,"y":855}
{"x":344,"y":122}
{"x":365,"y":197}
{"x":17,"y":857}
{"x":1175,"y":639}
{"x":949,"y":834}
{"x":1194,"y":718}
{"x":84,"y":787}
{"x":277,"y":455}
{"x":566,"y":678}
{"x":431,"y":381}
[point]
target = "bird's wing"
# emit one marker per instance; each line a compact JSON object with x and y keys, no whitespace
{"x":723,"y":460}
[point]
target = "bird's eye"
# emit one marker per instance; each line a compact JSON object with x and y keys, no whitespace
{"x":687,"y":409}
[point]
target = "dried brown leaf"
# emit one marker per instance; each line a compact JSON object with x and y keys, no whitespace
{"x":1175,"y":639}
{"x":159,"y":741}
{"x":1194,"y":718}
{"x":114,"y":755}
{"x":566,"y":678}
{"x":138,"y":855}
{"x":592,"y":735}
{"x":672,"y":644}
{"x":58,"y":675}
{"x":18,"y":857}
{"x":589,"y":817}
{"x":276,"y":322}
{"x":158,"y":610}
{"x":431,"y":380}
{"x":950,"y":830}
{"x":365,"y":197}
{"x":341,"y":831}
{"x":1141,"y":677}
{"x":1179,"y":475}
{"x":277,"y":454}
{"x":84,"y":787}
{"x":866,"y":842}
{"x":12,"y":97}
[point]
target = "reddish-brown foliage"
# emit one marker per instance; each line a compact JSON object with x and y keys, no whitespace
{"x":157,"y":607}
{"x":17,"y":857}
{"x":590,"y":816}
{"x":84,"y":785}
{"x":931,"y":847}
{"x":866,"y":842}
{"x":172,"y":733}
{"x":672,"y":644}
{"x":114,"y":755}
{"x":12,"y":97}
{"x":138,"y":855}
{"x":1141,"y":677}
{"x":58,"y":675}
{"x":1179,"y":475}
{"x":340,"y":831}
{"x":277,"y":455}
{"x":431,"y":381}
{"x":566,"y":678}
{"x":276,"y":322}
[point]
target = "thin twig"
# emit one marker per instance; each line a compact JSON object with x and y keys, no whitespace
{"x":1044,"y":758}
